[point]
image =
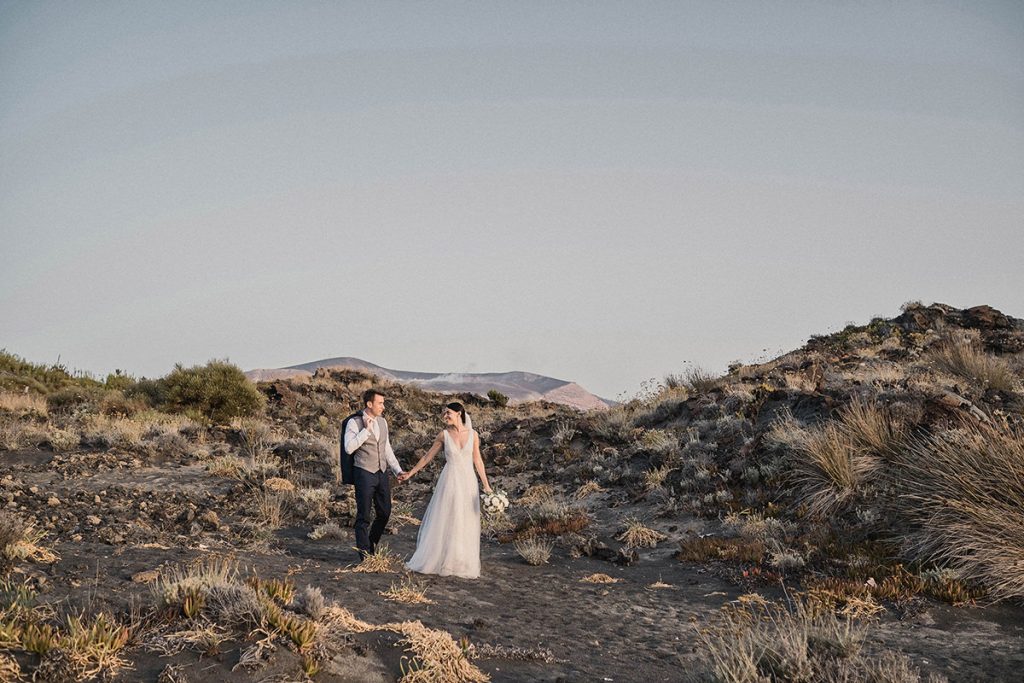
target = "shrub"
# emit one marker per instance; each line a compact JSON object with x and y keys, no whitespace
{"x":17,"y":374}
{"x":499,"y":399}
{"x":536,"y":551}
{"x":964,"y":492}
{"x":310,"y":601}
{"x":760,"y":641}
{"x":217,"y":391}
{"x":963,"y":358}
{"x":636,"y":535}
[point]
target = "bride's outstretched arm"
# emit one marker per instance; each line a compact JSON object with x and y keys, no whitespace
{"x":425,"y":460}
{"x":478,"y":461}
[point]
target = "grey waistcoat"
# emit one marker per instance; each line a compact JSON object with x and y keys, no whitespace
{"x":370,"y":456}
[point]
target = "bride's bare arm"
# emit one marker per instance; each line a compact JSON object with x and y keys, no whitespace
{"x":427,"y":457}
{"x":478,"y":461}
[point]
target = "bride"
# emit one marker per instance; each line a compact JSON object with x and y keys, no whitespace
{"x":449,"y":538}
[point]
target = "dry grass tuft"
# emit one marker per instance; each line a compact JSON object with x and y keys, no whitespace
{"x":587,"y":489}
{"x":713,"y":548}
{"x":964,"y":490}
{"x":279,"y":485}
{"x":380,"y":561}
{"x":833,"y":462}
{"x":270,"y":507}
{"x":19,"y":404}
{"x":535,"y":495}
{"x":536,"y":551}
{"x":964,"y":358}
{"x":599,"y":578}
{"x":760,"y":641}
{"x":636,"y":535}
{"x":328,"y":530}
{"x":408,"y":592}
{"x":437,"y":658}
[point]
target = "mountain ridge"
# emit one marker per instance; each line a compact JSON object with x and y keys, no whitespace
{"x":520,"y":386}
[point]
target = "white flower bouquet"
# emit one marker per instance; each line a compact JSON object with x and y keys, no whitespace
{"x":494,"y":503}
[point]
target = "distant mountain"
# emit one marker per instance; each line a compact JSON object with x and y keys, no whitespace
{"x":518,"y":386}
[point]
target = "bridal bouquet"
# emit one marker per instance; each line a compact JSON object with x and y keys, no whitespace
{"x":494,"y":502}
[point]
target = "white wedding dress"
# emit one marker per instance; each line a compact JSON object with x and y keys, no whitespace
{"x":448,"y":543}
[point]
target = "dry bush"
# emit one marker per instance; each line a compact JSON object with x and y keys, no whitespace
{"x":94,"y":645}
{"x":380,"y":561}
{"x":658,"y":441}
{"x":613,"y":424}
{"x":437,"y":658}
{"x":20,"y":541}
{"x":759,"y":642}
{"x":257,"y":437}
{"x":655,"y":479}
{"x":563,"y":434}
{"x":535,"y":495}
{"x":554,"y":518}
{"x":22,"y":404}
{"x":328,"y":530}
{"x":753,"y":525}
{"x":313,"y":502}
{"x":964,"y":492}
{"x":535,"y":550}
{"x":15,"y":434}
{"x":588,"y":488}
{"x":599,"y":578}
{"x":408,"y":592}
{"x":109,"y":432}
{"x":712,"y":548}
{"x":496,"y":524}
{"x":270,"y":507}
{"x":213,"y":587}
{"x":636,"y":535}
{"x":226,"y":466}
{"x":833,"y":461}
{"x":964,"y":358}
{"x":310,"y":601}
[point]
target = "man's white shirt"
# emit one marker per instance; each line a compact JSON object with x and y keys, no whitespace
{"x":355,"y":437}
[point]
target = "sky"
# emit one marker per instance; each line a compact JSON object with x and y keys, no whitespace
{"x":603,"y":192}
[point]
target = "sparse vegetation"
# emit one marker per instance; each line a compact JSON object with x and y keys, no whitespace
{"x":534,"y":549}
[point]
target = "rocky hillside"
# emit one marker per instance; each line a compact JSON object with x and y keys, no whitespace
{"x":851,"y":510}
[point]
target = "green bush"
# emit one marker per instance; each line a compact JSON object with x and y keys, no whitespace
{"x":499,"y":399}
{"x":217,"y":391}
{"x":17,"y":374}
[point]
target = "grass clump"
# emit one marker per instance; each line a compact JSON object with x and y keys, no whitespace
{"x":407,"y":592}
{"x":217,"y":391}
{"x":963,"y":357}
{"x":760,"y":641}
{"x":535,"y":550}
{"x":636,"y":535}
{"x":964,"y":492}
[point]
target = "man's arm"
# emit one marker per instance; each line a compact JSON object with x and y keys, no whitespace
{"x":354,"y":437}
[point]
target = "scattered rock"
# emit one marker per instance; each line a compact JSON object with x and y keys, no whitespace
{"x":53,"y":501}
{"x":93,"y":520}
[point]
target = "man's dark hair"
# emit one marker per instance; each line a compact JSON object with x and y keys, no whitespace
{"x":370,"y":393}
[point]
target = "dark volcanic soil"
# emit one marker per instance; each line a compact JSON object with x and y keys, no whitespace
{"x":624,"y":631}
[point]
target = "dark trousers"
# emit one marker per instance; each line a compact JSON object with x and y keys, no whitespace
{"x":372,"y":487}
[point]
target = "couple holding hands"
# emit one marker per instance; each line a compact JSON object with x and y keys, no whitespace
{"x":448,"y":543}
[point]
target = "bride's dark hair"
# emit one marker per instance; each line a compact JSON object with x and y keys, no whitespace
{"x":458,"y":408}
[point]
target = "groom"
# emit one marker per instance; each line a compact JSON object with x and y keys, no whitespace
{"x":365,"y":439}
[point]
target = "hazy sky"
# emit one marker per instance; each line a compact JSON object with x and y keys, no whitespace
{"x":596,"y":191}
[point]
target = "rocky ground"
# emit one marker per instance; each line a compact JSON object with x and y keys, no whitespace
{"x":694,"y":466}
